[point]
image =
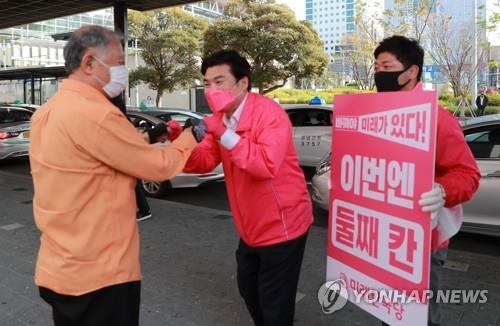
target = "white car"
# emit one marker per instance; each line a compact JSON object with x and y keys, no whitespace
{"x":182,"y":180}
{"x":312,"y":131}
{"x":481,"y":213}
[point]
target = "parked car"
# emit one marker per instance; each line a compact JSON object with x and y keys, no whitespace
{"x":147,"y":119}
{"x":31,"y":107}
{"x":177,"y":115}
{"x":481,"y":213}
{"x":312,"y":131}
{"x":14,"y":132}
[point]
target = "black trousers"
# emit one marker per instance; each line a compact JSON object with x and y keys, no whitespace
{"x":116,"y":305}
{"x":140,"y":199}
{"x":480,"y":110}
{"x":267,"y":280}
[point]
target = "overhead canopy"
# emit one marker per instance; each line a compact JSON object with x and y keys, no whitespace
{"x":32,"y":72}
{"x":15,"y":12}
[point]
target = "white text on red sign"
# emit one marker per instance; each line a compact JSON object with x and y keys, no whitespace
{"x":389,"y":242}
{"x":378,"y":179}
{"x":409,"y":126}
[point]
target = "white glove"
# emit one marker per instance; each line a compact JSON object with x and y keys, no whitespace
{"x":432,"y":201}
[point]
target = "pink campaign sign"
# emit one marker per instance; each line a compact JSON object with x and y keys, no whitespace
{"x":383,"y":155}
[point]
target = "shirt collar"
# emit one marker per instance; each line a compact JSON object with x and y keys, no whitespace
{"x":78,"y":86}
{"x":233,"y":121}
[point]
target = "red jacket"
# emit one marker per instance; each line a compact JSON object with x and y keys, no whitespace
{"x":456,"y":169}
{"x":265,"y":185}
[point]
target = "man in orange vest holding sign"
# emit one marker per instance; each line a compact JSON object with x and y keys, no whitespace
{"x":398,"y":67}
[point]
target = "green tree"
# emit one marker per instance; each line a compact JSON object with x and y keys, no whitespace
{"x":170,"y":42}
{"x":277,"y":45}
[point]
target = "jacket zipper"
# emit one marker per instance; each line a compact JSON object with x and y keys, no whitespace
{"x":280,"y":209}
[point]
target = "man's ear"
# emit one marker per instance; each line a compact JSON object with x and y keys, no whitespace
{"x":87,"y":65}
{"x":413,"y":71}
{"x":244,"y":82}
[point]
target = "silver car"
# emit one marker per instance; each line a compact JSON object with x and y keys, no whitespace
{"x":143,"y":120}
{"x":14,"y":132}
{"x":312,"y":131}
{"x":481,"y":213}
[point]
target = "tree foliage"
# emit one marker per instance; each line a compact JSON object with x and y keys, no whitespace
{"x":358,"y":47}
{"x":446,"y":45}
{"x":453,"y":50}
{"x":408,"y":17}
{"x":170,"y":42}
{"x":277,"y":45}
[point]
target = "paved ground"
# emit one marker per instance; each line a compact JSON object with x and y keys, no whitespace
{"x":189,"y":269}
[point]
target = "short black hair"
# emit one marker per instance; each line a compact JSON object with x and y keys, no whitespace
{"x":407,"y":50}
{"x":238,"y":65}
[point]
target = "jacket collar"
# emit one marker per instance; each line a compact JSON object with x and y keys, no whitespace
{"x":82,"y":88}
{"x":245,"y":121}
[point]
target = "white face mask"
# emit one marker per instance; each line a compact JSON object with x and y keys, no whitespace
{"x":118,"y":78}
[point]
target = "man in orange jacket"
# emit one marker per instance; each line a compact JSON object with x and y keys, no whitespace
{"x":398,"y":67}
{"x":85,"y":158}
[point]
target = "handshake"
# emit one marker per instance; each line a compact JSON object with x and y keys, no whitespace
{"x":172,"y":129}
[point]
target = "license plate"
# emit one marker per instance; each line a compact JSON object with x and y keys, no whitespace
{"x":26,"y":134}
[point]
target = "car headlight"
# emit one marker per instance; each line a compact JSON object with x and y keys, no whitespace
{"x":324,"y":165}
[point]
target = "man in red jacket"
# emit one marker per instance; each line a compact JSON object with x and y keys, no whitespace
{"x":398,"y":67}
{"x":252,"y":136}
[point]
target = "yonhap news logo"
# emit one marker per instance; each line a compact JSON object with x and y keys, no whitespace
{"x":332,"y":296}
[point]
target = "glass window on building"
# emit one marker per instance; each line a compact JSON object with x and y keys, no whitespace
{"x":74,"y":24}
{"x":26,"y":52}
{"x":61,"y":25}
{"x":60,"y":54}
{"x":86,"y":19}
{"x":52,"y":54}
{"x":16,"y":50}
{"x":35,"y":27}
{"x":43,"y":55}
{"x":98,"y":19}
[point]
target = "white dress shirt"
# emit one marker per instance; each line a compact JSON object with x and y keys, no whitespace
{"x":230,"y":138}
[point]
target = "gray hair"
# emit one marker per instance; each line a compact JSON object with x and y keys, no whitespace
{"x":86,"y":37}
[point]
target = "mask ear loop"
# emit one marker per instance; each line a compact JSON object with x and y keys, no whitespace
{"x":101,"y":62}
{"x":408,"y":81}
{"x":99,"y":80}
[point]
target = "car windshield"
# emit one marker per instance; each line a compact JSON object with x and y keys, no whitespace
{"x":10,"y":115}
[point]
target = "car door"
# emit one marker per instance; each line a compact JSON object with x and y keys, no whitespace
{"x":483,"y":209}
{"x":139,"y":122}
{"x":312,"y":134}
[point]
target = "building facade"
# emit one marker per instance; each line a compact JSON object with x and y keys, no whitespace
{"x":464,"y":15}
{"x":334,"y":20}
{"x":33,"y":45}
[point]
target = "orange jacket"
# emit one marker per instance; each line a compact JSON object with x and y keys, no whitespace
{"x":85,"y":157}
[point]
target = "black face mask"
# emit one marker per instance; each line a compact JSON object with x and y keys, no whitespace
{"x":387,"y":81}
